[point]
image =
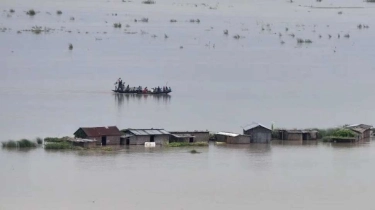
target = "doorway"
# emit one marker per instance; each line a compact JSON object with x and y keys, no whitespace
{"x":127,"y":141}
{"x":122,"y":141}
{"x":305,"y":136}
{"x":104,"y":140}
{"x":191,"y":140}
{"x":152,"y":138}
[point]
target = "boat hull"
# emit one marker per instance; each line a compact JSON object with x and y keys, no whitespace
{"x":141,"y":93}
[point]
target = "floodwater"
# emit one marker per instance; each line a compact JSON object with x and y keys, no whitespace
{"x":219,"y":83}
{"x":278,"y":176}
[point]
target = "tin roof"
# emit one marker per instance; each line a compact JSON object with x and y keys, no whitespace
{"x":81,"y":140}
{"x":254,"y":125}
{"x":183,"y":135}
{"x":147,"y":132}
{"x":227,"y":134}
{"x":101,"y":131}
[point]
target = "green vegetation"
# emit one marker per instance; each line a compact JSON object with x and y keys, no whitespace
{"x":58,"y":146}
{"x":148,"y":2}
{"x":70,"y":46}
{"x":59,"y":12}
{"x":186,"y":144}
{"x":226,"y":32}
{"x":237,"y":36}
{"x":173,"y":20}
{"x":23,"y":143}
{"x":31,"y":12}
{"x":39,"y":140}
{"x":301,"y":41}
{"x":195,"y":21}
{"x":117,"y":25}
{"x":56,"y":139}
{"x":11,"y":11}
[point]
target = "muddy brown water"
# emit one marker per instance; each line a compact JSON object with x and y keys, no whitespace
{"x":219,"y":83}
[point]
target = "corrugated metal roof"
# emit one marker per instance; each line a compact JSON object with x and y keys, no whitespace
{"x":228,"y":134}
{"x":147,"y":132}
{"x":183,"y":135}
{"x":81,"y":140}
{"x":254,"y":125}
{"x":101,"y":131}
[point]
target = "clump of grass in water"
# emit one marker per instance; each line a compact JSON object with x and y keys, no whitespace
{"x":145,"y":20}
{"x":117,"y":25}
{"x":237,"y":36}
{"x":226,"y":32}
{"x":23,"y":143}
{"x":58,"y":146}
{"x":56,"y":139}
{"x":31,"y":12}
{"x":195,"y":21}
{"x":194,"y":151}
{"x":347,"y":36}
{"x":173,"y":20}
{"x":187,"y":144}
{"x":59,"y":12}
{"x":70,"y":46}
{"x":11,"y":11}
{"x":301,"y":41}
{"x":39,"y":140}
{"x":9,"y":144}
{"x":148,"y":2}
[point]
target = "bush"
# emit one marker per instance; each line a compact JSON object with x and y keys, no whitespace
{"x":31,"y":12}
{"x":11,"y":11}
{"x":58,"y":146}
{"x":9,"y":144}
{"x":39,"y":140}
{"x":117,"y":25}
{"x":148,"y":2}
{"x":194,"y":151}
{"x":186,"y":144}
{"x":59,"y":12}
{"x":23,"y":143}
{"x":56,"y":139}
{"x":70,"y":46}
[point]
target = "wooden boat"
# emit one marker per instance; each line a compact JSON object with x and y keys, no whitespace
{"x":142,"y":92}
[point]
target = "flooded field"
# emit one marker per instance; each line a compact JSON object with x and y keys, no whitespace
{"x":229,"y":63}
{"x":309,"y":176}
{"x":299,"y":64}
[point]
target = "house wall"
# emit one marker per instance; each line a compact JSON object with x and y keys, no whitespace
{"x":185,"y":139}
{"x":259,"y":135}
{"x":221,"y":138}
{"x":111,"y":140}
{"x":241,"y":139}
{"x":294,"y":136}
{"x":199,"y":136}
{"x":140,"y":140}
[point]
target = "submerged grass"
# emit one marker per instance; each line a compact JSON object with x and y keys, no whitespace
{"x":194,"y":151}
{"x":58,"y":12}
{"x":56,"y":139}
{"x":58,"y":146}
{"x":31,"y":12}
{"x":148,"y":2}
{"x":117,"y":25}
{"x":186,"y":144}
{"x":39,"y":140}
{"x":23,"y":143}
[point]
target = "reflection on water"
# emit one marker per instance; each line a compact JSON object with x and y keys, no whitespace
{"x":121,"y":97}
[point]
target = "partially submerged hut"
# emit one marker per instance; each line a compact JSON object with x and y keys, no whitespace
{"x":140,"y":136}
{"x":102,"y":135}
{"x":297,"y":135}
{"x":232,"y":138}
{"x":363,"y":131}
{"x":258,"y":133}
{"x":190,"y":136}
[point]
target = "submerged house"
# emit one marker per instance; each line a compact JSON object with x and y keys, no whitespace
{"x":258,"y":133}
{"x":363,"y":131}
{"x":297,"y":135}
{"x":232,"y":138}
{"x":103,"y":135}
{"x":189,"y":136}
{"x":141,"y":136}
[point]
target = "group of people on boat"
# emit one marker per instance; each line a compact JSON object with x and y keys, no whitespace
{"x":120,"y":87}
